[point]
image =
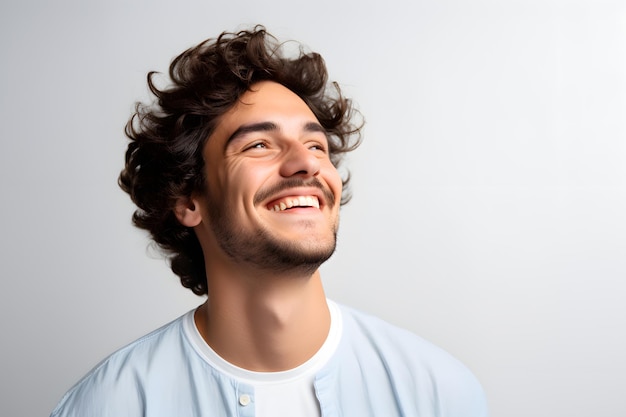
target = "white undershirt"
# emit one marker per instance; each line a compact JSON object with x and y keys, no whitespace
{"x":276,"y":394}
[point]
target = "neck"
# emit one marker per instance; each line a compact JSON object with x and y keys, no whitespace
{"x":265,"y":323}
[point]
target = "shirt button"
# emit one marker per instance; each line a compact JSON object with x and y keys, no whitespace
{"x":244,"y":399}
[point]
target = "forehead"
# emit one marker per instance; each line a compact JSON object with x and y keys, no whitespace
{"x":266,"y":101}
{"x":268,"y":96}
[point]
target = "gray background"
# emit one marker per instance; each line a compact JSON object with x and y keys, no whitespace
{"x":489,"y":193}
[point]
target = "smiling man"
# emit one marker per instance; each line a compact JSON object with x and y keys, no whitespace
{"x":234,"y":172}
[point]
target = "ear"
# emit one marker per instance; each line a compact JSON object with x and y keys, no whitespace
{"x":187,"y":212}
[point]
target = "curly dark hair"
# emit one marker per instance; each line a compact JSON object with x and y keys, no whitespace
{"x":164,"y":161}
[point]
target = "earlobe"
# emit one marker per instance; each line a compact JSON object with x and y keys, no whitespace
{"x":187,"y":212}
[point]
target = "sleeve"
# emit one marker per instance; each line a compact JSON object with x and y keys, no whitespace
{"x":103,"y":394}
{"x":457,"y":392}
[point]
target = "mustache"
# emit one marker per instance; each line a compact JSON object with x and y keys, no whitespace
{"x":288,"y":183}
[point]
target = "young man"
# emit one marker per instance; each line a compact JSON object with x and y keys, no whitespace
{"x":233,"y":170}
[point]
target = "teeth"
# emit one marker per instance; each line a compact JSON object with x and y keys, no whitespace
{"x":302,"y":201}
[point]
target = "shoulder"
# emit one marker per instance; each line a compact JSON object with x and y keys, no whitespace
{"x":119,"y":381}
{"x":388,"y":339}
{"x":411,"y":364}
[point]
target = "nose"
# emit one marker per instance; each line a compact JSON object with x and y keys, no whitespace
{"x":298,"y":159}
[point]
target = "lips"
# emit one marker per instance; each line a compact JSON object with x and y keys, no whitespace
{"x":288,"y":202}
{"x":290,"y":191}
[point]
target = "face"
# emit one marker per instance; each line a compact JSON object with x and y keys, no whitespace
{"x":272,"y":198}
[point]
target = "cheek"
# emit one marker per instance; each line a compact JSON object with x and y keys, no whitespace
{"x":333,"y":179}
{"x":231,"y":176}
{"x":242,"y":182}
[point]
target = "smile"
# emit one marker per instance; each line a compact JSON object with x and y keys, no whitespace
{"x":294,"y":201}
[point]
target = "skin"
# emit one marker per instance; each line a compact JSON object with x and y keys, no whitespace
{"x":267,"y":309}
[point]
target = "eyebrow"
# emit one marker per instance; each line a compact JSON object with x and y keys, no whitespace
{"x":270,"y":127}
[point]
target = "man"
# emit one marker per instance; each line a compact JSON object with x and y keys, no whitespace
{"x":233,"y":170}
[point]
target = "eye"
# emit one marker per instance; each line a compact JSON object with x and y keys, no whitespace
{"x":256,"y":145}
{"x":317,"y":146}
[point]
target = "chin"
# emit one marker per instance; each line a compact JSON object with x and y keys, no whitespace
{"x":308,"y":256}
{"x":272,"y":253}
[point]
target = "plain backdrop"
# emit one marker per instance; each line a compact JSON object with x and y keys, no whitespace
{"x":489,"y":193}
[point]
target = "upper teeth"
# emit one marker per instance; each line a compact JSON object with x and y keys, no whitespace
{"x":300,"y":201}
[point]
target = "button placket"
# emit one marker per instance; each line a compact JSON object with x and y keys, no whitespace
{"x":244,"y":399}
{"x":245,"y":403}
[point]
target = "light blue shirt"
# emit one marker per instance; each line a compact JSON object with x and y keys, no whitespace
{"x":377,"y":370}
